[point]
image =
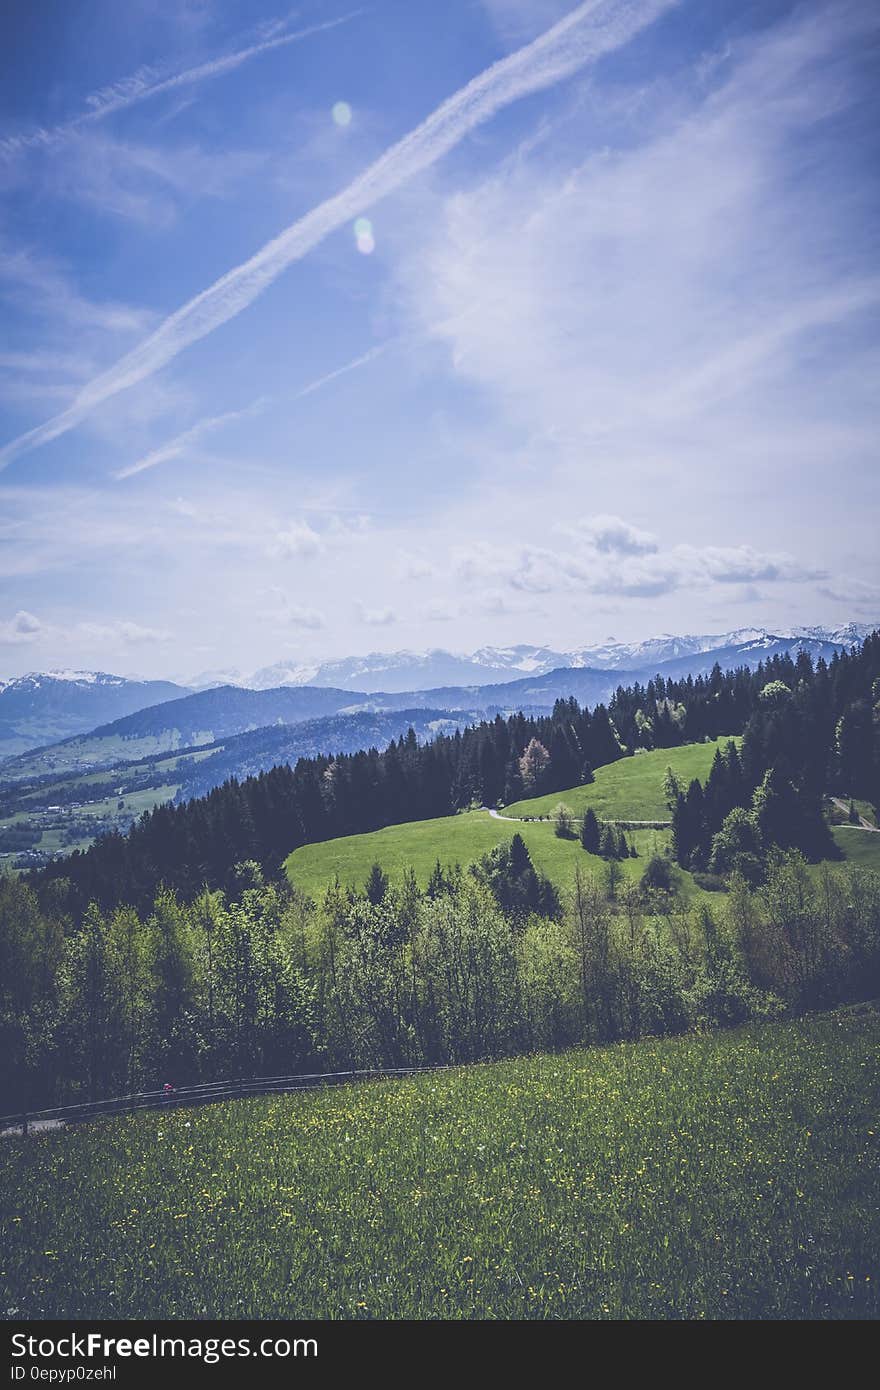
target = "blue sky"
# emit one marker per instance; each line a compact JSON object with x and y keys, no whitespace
{"x":348,"y":328}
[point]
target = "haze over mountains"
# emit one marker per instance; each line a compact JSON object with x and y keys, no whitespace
{"x":401,"y":671}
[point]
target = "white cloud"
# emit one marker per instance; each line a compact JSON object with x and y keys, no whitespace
{"x":295,"y":540}
{"x":657,"y":317}
{"x":611,"y":557}
{"x":375,"y":617}
{"x":414,"y":565}
{"x":144,"y":183}
{"x":304,"y":617}
{"x":42,"y":287}
{"x":611,"y":535}
{"x":859,"y":595}
{"x":121,"y":631}
{"x":22,"y":627}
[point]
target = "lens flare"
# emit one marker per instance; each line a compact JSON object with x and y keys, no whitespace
{"x":363,"y":235}
{"x":342,"y":113}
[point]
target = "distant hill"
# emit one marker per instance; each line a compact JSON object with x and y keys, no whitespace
{"x":212,"y":715}
{"x":41,"y":708}
{"x":247,"y":754}
{"x":187,"y":722}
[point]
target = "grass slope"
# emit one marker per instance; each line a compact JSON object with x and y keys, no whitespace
{"x":461,"y":839}
{"x":631,"y":789}
{"x":858,"y":846}
{"x":731,"y":1175}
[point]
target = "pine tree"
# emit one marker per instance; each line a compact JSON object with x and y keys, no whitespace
{"x":590,"y":832}
{"x":608,"y":843}
{"x":376,"y":886}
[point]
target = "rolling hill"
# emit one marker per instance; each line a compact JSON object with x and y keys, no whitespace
{"x":631,"y":789}
{"x":40,"y":708}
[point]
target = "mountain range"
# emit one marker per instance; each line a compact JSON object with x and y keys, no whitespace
{"x":398,"y":672}
{"x":81,"y":719}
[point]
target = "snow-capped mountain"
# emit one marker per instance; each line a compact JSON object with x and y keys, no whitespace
{"x":399,"y":671}
{"x":285,"y":673}
{"x":395,"y":672}
{"x":47,"y":705}
{"x":36,"y":680}
{"x":847,"y":635}
{"x":209,"y":680}
{"x":627,"y":655}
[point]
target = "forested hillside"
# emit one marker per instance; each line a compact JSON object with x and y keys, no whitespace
{"x":805,"y":729}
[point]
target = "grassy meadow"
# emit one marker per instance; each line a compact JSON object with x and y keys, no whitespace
{"x":631,"y":789}
{"x":733,"y":1175}
{"x":461,"y":839}
{"x":858,"y":846}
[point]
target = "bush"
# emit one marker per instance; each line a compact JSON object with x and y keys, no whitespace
{"x":658,"y":875}
{"x":710,"y":883}
{"x":563,"y":821}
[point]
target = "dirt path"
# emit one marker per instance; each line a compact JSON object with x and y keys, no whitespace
{"x":630,"y":824}
{"x":862,"y":825}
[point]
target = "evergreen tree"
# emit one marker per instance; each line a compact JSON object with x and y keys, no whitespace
{"x":608,"y":843}
{"x":376,"y":886}
{"x":590,"y":832}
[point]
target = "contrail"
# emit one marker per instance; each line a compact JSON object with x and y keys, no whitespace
{"x":181,"y":442}
{"x":147,"y":83}
{"x":594,"y":28}
{"x":347,"y":367}
{"x":176,"y":446}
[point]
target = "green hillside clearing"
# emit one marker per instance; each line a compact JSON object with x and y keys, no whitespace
{"x":858,"y":846}
{"x":461,"y":839}
{"x":631,"y":789}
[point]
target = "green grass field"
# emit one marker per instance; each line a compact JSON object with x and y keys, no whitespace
{"x":858,"y":846}
{"x":461,"y":839}
{"x":734,"y":1175}
{"x":631,"y":789}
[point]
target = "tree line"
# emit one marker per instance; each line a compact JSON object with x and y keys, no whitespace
{"x":479,"y":964}
{"x":811,"y":732}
